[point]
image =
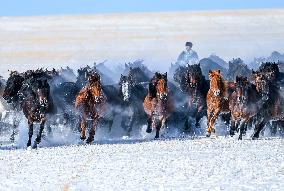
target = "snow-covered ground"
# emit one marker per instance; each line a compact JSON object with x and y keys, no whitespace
{"x":198,"y":164}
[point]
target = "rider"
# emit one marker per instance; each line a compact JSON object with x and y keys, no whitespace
{"x":188,"y":56}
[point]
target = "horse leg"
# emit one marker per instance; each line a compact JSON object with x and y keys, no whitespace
{"x":149,"y":125}
{"x":186,"y":124}
{"x":242,"y":129}
{"x":38,"y":138}
{"x":232,"y":127}
{"x":83,"y":128}
{"x":274,"y":127}
{"x":92,"y":132}
{"x":258,"y":128}
{"x":30,"y":122}
{"x":198,"y":117}
{"x":15,"y":127}
{"x":212,"y":118}
{"x":158,"y":128}
{"x":130,"y":125}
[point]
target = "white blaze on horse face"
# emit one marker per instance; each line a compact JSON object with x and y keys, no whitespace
{"x":125,"y":91}
{"x":216,"y":92}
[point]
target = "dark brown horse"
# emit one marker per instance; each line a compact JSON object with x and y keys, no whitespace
{"x":243,"y":104}
{"x":36,"y":104}
{"x":92,"y":104}
{"x":217,"y":99}
{"x":158,"y":103}
{"x":197,"y":88}
{"x":271,"y":101}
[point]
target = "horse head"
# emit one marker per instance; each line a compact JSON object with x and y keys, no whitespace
{"x":126,"y":83}
{"x":261,"y":81}
{"x":43,"y":92}
{"x":94,"y":88}
{"x":161,"y":87}
{"x":13,"y":85}
{"x":242,"y":86}
{"x":217,"y":85}
{"x":193,"y":75}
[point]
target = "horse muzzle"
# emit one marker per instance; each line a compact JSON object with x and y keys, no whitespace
{"x":216,"y":92}
{"x":163,"y":96}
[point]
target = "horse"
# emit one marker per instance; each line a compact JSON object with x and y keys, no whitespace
{"x":217,"y":99}
{"x":91,"y":102}
{"x":131,"y":94}
{"x":194,"y":84}
{"x":158,"y":103}
{"x":243,"y":105}
{"x":271,"y":101}
{"x":10,"y":95}
{"x":36,"y":103}
{"x":197,"y":88}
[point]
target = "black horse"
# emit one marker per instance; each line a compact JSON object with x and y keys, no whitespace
{"x":131,"y":94}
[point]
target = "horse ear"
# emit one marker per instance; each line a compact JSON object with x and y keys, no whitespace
{"x":210,"y":71}
{"x":166,"y":74}
{"x":219,"y":71}
{"x":252,"y":71}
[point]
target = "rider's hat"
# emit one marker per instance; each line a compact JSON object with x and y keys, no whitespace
{"x":188,"y":44}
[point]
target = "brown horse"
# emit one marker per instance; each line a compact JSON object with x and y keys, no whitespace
{"x":243,"y":104}
{"x":217,"y":99}
{"x":158,"y":104}
{"x":92,"y":104}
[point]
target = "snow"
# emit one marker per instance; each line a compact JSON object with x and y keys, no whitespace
{"x":174,"y":164}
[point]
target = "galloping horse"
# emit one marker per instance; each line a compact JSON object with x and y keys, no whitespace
{"x":271,"y":101}
{"x":92,"y":103}
{"x":217,"y":99}
{"x":36,"y":104}
{"x":192,"y":82}
{"x":158,"y":104}
{"x":197,"y":88}
{"x":243,"y":104}
{"x":10,"y":95}
{"x":131,"y":94}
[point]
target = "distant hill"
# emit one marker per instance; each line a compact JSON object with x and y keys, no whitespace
{"x":207,"y":64}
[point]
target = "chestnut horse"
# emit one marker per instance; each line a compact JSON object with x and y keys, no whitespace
{"x":91,"y":102}
{"x":158,"y":104}
{"x":217,"y":99}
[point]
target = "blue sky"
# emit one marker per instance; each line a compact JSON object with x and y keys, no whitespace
{"x":49,"y":7}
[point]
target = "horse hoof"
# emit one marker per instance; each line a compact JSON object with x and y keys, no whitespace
{"x":82,"y":138}
{"x":240,"y":138}
{"x":35,"y":146}
{"x":29,"y":144}
{"x":254,"y":138}
{"x":89,"y":141}
{"x":148,"y":130}
{"x":156,"y":137}
{"x":208,"y":134}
